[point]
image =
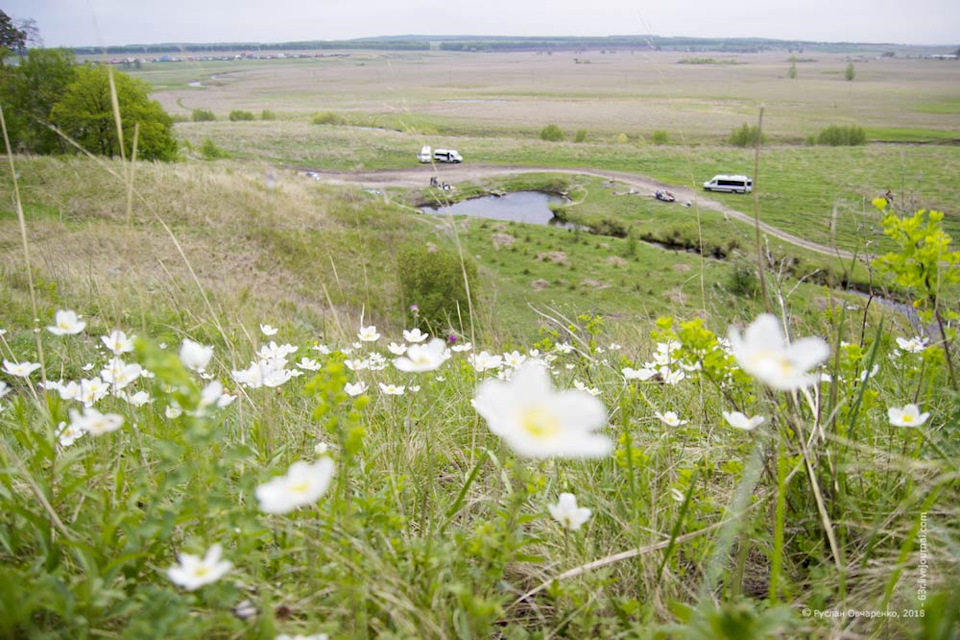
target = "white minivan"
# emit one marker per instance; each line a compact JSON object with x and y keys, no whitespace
{"x":731,"y":184}
{"x":425,"y":155}
{"x":447,"y":155}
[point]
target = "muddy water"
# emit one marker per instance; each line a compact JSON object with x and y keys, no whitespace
{"x":520,"y":206}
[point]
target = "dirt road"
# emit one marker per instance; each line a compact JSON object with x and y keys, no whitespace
{"x":420,"y":177}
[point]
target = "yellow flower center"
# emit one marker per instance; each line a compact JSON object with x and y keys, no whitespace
{"x":906,"y":418}
{"x":201,"y":571}
{"x":539,"y":423}
{"x":300,"y":487}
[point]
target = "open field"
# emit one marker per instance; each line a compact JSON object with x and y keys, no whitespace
{"x":614,"y":93}
{"x":799,"y":187}
{"x":492,"y":107}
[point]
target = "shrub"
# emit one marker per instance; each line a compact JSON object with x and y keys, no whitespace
{"x":837,"y":136}
{"x":743,"y":278}
{"x":203,"y":115}
{"x":210,"y":151}
{"x":432,"y":280}
{"x":850,"y":73}
{"x":746,"y":136}
{"x":581,"y":135}
{"x":237,"y":116}
{"x":266,"y":114}
{"x":328,"y":117}
{"x":551,"y":133}
{"x":622,"y":139}
{"x":660,"y":137}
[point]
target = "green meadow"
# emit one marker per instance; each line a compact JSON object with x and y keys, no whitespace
{"x":655,"y":423}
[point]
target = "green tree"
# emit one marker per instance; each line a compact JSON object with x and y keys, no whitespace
{"x":30,"y":91}
{"x":850,"y":73}
{"x":12,"y":39}
{"x":85,"y":115}
{"x":792,"y":71}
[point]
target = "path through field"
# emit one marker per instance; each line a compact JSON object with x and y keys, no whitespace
{"x":420,"y":177}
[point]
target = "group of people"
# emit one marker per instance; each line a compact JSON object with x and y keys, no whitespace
{"x":439,"y":185}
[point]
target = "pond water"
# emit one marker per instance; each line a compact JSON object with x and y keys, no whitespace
{"x":519,"y":206}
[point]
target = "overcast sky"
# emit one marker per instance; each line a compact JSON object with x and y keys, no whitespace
{"x":116,"y":22}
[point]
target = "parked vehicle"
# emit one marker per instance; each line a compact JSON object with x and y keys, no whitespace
{"x":447,"y":155}
{"x":730,"y":184}
{"x":425,"y":155}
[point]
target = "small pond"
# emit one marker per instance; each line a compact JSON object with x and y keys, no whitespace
{"x":519,"y":206}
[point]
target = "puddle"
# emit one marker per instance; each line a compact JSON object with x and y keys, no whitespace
{"x":532,"y":207}
{"x":195,"y":83}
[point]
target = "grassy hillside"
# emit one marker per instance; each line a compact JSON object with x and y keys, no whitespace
{"x":238,"y":243}
{"x":419,"y":517}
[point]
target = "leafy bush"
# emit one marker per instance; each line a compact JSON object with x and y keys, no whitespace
{"x":210,"y":151}
{"x":743,"y":279}
{"x":433,"y":280}
{"x":551,"y":133}
{"x":746,"y":136}
{"x":266,"y":114}
{"x":837,"y":136}
{"x":241,"y":116}
{"x":850,"y":73}
{"x":328,"y":117}
{"x":581,"y":135}
{"x":660,"y":137}
{"x":203,"y":115}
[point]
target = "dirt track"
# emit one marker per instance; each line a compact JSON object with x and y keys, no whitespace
{"x":420,"y":177}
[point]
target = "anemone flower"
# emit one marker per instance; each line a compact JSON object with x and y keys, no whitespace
{"x":538,"y":422}
{"x":94,"y":422}
{"x":195,"y":355}
{"x":741,"y":421}
{"x":355,"y":389}
{"x":415,"y":335}
{"x":670,"y":418}
{"x":368,"y":334}
{"x":567,"y":513}
{"x":267,"y":330}
{"x":763,"y":353}
{"x":194,"y":572}
{"x":423,"y":357}
{"x":66,"y":323}
{"x":908,"y":416}
{"x":20,"y":369}
{"x":303,"y":484}
{"x":118,"y":342}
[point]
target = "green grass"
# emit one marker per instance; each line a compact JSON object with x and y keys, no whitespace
{"x":434,"y":527}
{"x":949,"y":106}
{"x":889,"y":134}
{"x":799,"y":187}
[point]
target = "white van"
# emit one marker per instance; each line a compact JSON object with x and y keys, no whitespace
{"x":424,"y":155}
{"x":447,"y":155}
{"x":731,"y":184}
